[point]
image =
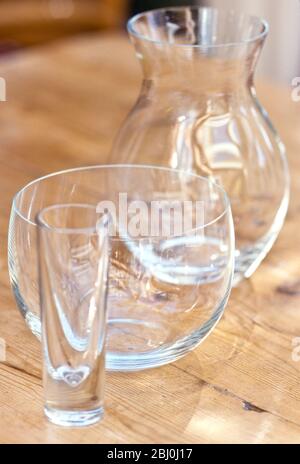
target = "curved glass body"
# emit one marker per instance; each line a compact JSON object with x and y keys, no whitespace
{"x":167,"y":290}
{"x":198,"y":111}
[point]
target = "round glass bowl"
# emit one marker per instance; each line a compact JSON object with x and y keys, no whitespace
{"x":171,"y":263}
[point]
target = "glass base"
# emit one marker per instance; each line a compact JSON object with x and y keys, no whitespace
{"x":126,"y":362}
{"x":73,"y":418}
{"x":137,"y":361}
{"x":249,"y":259}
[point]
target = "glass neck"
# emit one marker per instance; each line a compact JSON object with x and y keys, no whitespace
{"x":214,"y":69}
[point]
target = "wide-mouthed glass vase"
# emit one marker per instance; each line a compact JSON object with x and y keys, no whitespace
{"x":171,"y":257}
{"x":198,"y":111}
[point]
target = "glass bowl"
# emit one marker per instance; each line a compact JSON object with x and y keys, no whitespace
{"x":172,"y":256}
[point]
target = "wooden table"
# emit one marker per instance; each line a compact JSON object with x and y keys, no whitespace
{"x":65,"y":103}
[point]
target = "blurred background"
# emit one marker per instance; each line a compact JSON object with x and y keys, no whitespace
{"x":25,"y":23}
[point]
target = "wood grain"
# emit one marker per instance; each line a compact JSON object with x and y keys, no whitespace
{"x":65,"y":103}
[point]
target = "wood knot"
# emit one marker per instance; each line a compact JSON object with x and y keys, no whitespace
{"x":251,"y":407}
{"x":291,"y":289}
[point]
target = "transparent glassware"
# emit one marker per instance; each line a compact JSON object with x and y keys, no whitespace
{"x":73,"y":251}
{"x":167,"y":291}
{"x":198,"y":111}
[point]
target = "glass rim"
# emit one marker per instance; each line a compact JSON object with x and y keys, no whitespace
{"x":227,"y":204}
{"x":264,"y":23}
{"x":90,"y":230}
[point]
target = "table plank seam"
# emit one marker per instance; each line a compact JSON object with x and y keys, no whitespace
{"x":247,"y":405}
{"x":22,"y":371}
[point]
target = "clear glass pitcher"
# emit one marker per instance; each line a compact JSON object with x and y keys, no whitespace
{"x":198,"y":111}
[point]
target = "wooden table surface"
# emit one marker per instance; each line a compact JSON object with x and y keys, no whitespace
{"x":242,"y":385}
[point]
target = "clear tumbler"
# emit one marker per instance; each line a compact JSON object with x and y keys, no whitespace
{"x":73,"y":246}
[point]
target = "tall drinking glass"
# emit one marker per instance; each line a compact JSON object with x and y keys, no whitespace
{"x":73,"y":253}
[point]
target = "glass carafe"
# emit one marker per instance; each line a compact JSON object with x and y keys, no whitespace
{"x":198,"y":111}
